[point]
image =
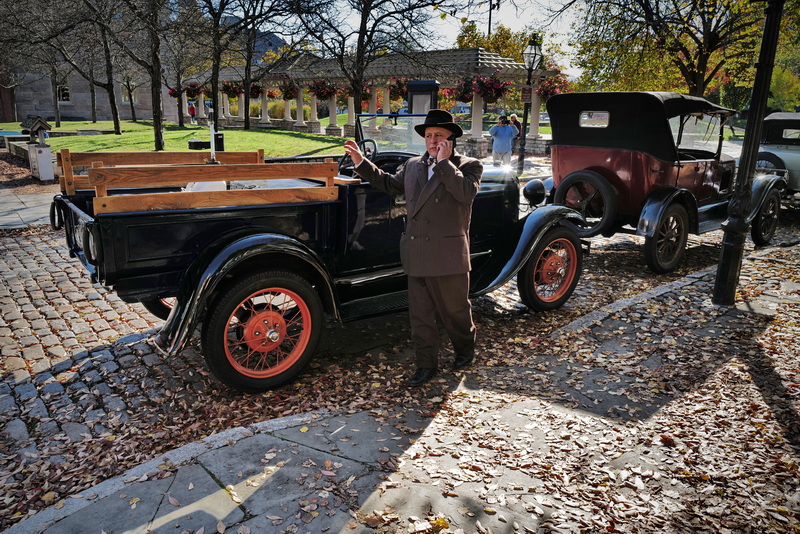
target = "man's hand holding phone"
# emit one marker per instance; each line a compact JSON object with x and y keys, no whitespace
{"x":445,"y":148}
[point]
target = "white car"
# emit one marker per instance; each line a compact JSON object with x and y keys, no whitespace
{"x":780,"y":151}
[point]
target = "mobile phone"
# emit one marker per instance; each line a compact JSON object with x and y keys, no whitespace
{"x":452,"y":137}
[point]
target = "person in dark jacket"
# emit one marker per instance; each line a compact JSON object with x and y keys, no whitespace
{"x":439,"y":187}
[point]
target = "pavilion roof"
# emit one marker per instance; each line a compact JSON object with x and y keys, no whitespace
{"x":448,"y":67}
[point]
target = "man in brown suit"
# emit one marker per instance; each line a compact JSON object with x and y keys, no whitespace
{"x":439,"y":187}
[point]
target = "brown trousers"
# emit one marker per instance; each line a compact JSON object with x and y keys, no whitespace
{"x":444,"y":299}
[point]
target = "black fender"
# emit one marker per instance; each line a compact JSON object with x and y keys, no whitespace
{"x":762,"y":185}
{"x":657,"y":202}
{"x":208,"y":271}
{"x":533,"y":227}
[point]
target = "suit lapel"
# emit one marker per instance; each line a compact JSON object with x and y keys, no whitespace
{"x":426,"y":187}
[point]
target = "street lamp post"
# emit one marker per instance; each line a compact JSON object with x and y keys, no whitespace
{"x":532,"y":55}
{"x":735,"y":228}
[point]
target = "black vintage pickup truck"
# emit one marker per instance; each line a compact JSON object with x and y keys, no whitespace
{"x":257,"y":265}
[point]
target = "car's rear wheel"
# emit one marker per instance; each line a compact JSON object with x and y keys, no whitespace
{"x":593,"y":197}
{"x":664,"y":250}
{"x":159,"y":307}
{"x":551,"y":273}
{"x":263,"y":331}
{"x":766,"y":221}
{"x":768,"y":160}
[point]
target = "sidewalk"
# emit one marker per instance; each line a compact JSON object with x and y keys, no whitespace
{"x":19,"y":211}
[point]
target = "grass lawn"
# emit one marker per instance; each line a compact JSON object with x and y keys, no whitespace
{"x":138,"y":137}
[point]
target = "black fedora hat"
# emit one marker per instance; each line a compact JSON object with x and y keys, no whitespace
{"x":440,"y":118}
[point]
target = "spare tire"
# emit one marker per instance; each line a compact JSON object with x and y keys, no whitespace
{"x":592,"y":196}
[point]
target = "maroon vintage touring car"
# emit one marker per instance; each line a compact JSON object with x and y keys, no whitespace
{"x":650,"y":163}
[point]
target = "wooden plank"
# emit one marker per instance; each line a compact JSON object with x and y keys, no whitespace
{"x":180,"y":175}
{"x":85,"y":159}
{"x":208,"y":199}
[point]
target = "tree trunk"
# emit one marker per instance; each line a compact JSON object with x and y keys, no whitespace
{"x":54,"y":90}
{"x":132,"y":105}
{"x":155,"y":92}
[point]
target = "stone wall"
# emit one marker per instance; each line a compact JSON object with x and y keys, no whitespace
{"x":34,"y":97}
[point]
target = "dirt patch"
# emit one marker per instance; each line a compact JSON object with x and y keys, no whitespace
{"x":16,"y":176}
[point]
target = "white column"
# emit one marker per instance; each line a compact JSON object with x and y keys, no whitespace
{"x":533,"y":131}
{"x":241,"y":110}
{"x":332,"y":111}
{"x":313,"y":116}
{"x":264,"y":109}
{"x":351,"y":113}
{"x":287,"y":110}
{"x":477,"y":116}
{"x":373,"y":100}
{"x":185,"y":105}
{"x":300,"y":121}
{"x":387,"y":100}
{"x":221,"y":111}
{"x":201,"y":106}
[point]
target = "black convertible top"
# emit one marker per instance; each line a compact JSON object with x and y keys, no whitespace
{"x":638,"y":120}
{"x":774,"y":126}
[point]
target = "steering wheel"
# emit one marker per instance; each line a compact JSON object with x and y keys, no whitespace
{"x":368,"y":147}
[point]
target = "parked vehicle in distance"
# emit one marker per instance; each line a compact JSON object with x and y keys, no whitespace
{"x":257,"y":266}
{"x":779,"y":152}
{"x":651,"y":164}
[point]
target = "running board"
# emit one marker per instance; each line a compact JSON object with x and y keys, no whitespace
{"x":374,"y":306}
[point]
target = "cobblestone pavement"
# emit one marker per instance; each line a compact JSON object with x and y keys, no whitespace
{"x":65,"y":342}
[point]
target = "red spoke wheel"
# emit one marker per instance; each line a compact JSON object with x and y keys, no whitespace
{"x":263,"y":331}
{"x":551,"y":273}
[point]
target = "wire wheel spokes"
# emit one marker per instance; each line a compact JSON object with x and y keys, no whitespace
{"x":267,"y":332}
{"x":584,"y":197}
{"x":555,"y":269}
{"x":670,"y":238}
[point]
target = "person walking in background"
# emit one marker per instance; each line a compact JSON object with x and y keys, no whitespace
{"x":192,"y":112}
{"x":503,"y":134}
{"x":439,"y":187}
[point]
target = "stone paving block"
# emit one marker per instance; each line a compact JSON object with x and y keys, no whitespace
{"x":284,"y":471}
{"x":355,"y":436}
{"x":129,"y":510}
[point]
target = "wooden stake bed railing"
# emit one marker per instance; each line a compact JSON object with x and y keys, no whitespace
{"x":69,"y":160}
{"x":105,"y":178}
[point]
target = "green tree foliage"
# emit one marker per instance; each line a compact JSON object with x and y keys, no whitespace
{"x":673,"y":45}
{"x":501,"y":41}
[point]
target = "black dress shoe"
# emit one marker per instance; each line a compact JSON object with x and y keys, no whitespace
{"x":421,"y":376}
{"x":463,"y":360}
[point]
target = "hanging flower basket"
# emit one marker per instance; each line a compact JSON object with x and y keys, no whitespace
{"x":273,"y":93}
{"x":322,"y":89}
{"x":231,"y":88}
{"x":288,"y":89}
{"x":173,"y":92}
{"x":490,"y":87}
{"x":255,"y":90}
{"x":399,"y":88}
{"x":193,"y":89}
{"x":207,"y":91}
{"x":463,"y":91}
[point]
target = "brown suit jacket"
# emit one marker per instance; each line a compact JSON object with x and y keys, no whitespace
{"x":439,"y":210}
